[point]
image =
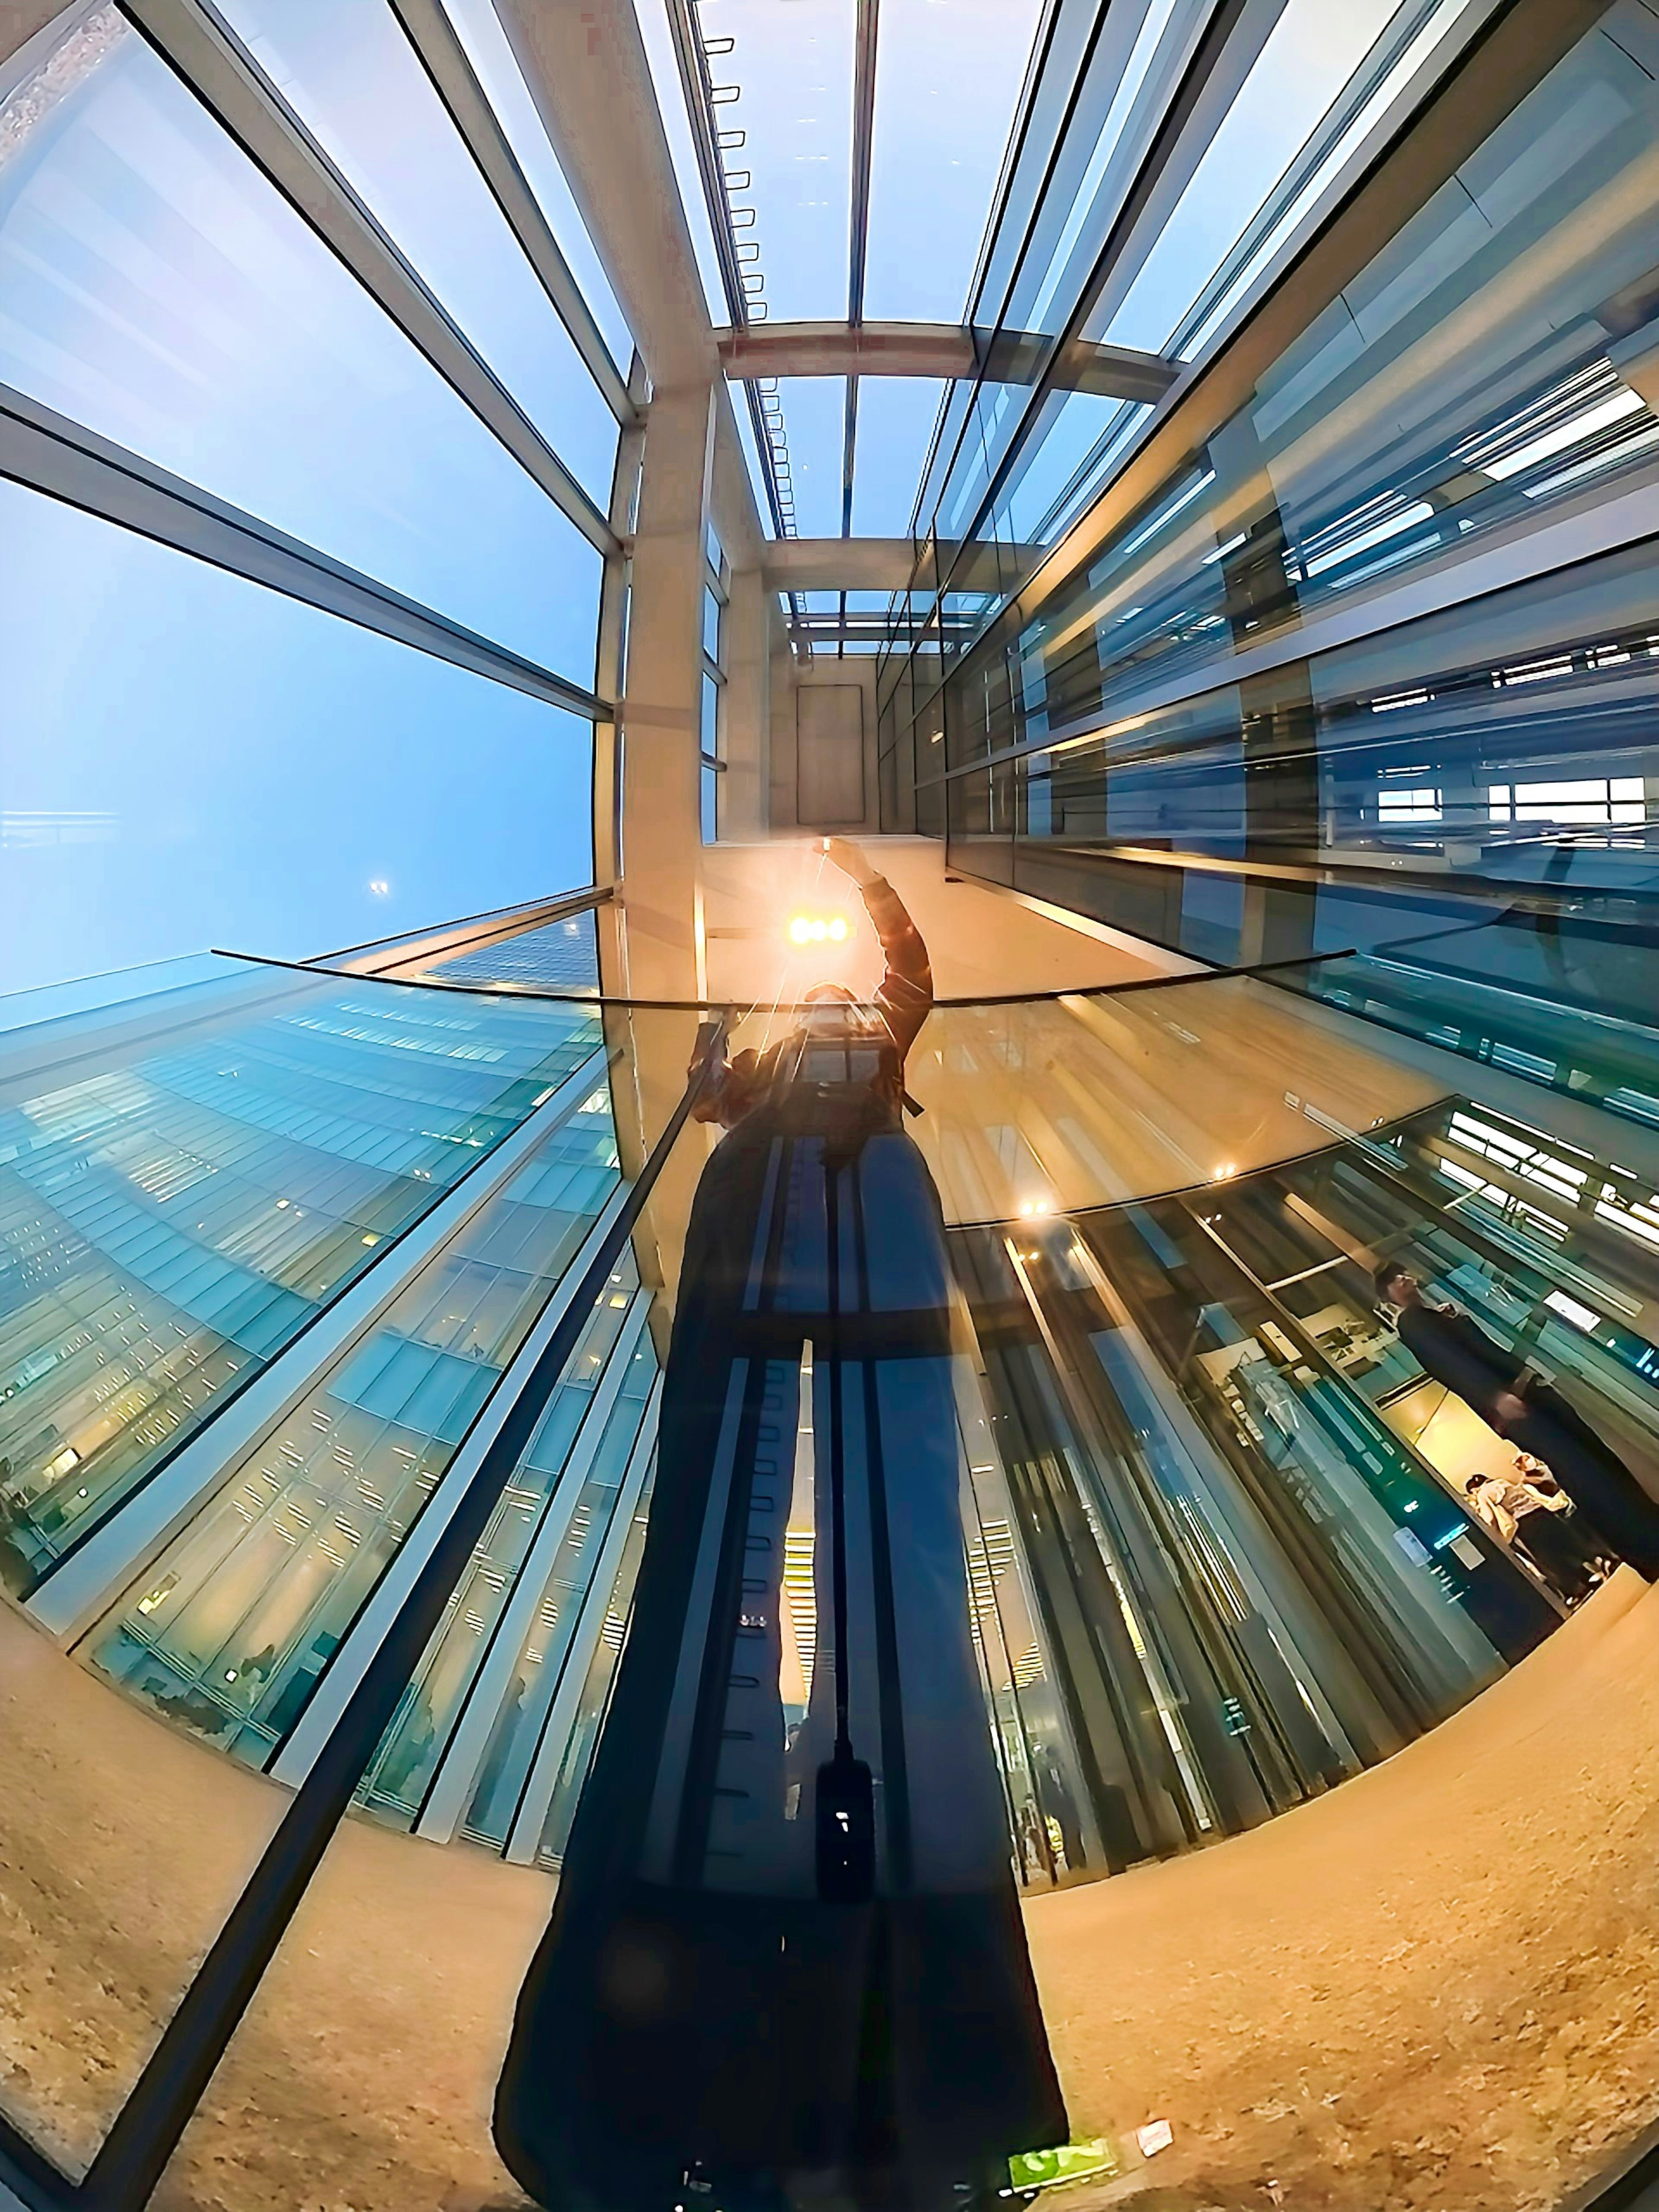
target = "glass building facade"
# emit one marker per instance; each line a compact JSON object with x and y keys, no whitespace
{"x":1246,"y":572}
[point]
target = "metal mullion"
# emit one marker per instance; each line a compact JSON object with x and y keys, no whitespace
{"x":1039,"y":201}
{"x":292,"y":1760}
{"x":1206,"y":58}
{"x":1035,"y":67}
{"x":205,"y":55}
{"x":427,"y":25}
{"x":864,"y":116}
{"x":1165,"y":139}
{"x":456,"y":1774}
{"x":137,"y":2150}
{"x":614,"y":629}
{"x":68,"y":1594}
{"x":47,"y":452}
{"x":1529,"y":47}
{"x":1579,"y":531}
{"x":547,"y":1760}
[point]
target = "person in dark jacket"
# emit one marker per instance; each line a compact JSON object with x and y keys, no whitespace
{"x":1514,"y":1401}
{"x":786,"y":1961}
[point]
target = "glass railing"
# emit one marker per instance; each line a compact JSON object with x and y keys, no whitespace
{"x":1122,"y":1430}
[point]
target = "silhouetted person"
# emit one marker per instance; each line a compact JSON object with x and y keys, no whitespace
{"x":1514,"y":1401}
{"x":786,"y":1966}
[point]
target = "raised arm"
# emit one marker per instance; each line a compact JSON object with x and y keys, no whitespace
{"x":905,"y":994}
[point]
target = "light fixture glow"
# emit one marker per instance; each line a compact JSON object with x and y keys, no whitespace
{"x":818,"y":929}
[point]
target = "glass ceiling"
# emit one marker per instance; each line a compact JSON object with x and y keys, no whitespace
{"x":949,"y":78}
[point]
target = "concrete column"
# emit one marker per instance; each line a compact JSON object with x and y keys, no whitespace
{"x":661,"y":703}
{"x":22,"y":21}
{"x":658,"y":950}
{"x":746,"y":808}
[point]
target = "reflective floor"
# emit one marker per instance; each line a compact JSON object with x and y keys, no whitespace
{"x":1319,"y":1787}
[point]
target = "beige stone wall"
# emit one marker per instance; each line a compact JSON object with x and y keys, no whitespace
{"x":1429,"y":1990}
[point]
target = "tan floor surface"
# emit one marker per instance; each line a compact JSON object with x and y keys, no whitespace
{"x":1429,"y":1990}
{"x":1432,"y":1990}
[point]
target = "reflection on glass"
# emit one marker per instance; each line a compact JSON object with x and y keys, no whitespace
{"x":559,"y":955}
{"x":173,"y":1220}
{"x":352,"y":77}
{"x":794,"y":1814}
{"x":154,"y":286}
{"x":1332,"y":477}
{"x":229,"y":1630}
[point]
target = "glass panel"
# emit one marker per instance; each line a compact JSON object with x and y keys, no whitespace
{"x":1052,"y":1106}
{"x":793,"y":72}
{"x":239,"y":1151}
{"x":490,"y":1744}
{"x":1328,"y":482}
{"x":487,"y":49}
{"x":945,"y":97}
{"x":128,"y":1319}
{"x":711,"y":626}
{"x":346,"y":807}
{"x":670,"y":106}
{"x":708,"y":802}
{"x":354,"y":80}
{"x":154,"y":286}
{"x":709,"y":725}
{"x":231,"y":1628}
{"x":1308,"y":57}
{"x":896,"y":414}
{"x":559,"y":955}
{"x":815,"y":418}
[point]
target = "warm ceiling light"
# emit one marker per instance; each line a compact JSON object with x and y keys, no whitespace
{"x":818,"y":929}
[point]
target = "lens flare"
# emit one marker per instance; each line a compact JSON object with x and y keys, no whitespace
{"x":819,"y":929}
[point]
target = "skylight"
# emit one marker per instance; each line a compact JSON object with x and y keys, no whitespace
{"x":781,"y":83}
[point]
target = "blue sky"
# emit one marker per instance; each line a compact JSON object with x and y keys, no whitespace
{"x":194,"y":761}
{"x":186,"y":759}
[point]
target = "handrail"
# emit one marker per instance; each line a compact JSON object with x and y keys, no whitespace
{"x":552,"y":907}
{"x":725,"y":1007}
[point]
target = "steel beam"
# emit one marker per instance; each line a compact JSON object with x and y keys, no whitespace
{"x":390,"y":957}
{"x":47,"y":452}
{"x":941,"y":349}
{"x":427,"y":26}
{"x":864,"y":120}
{"x":197,"y":43}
